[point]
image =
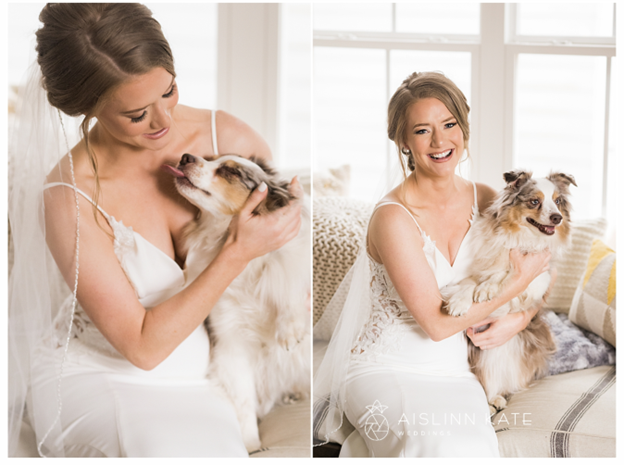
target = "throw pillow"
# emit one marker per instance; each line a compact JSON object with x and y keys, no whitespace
{"x":593,"y":307}
{"x":572,"y":264}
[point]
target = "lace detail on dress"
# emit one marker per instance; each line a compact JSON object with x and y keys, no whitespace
{"x":381,"y":334}
{"x":83,"y":329}
{"x":123,"y":244}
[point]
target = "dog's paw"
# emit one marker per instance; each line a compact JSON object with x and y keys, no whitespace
{"x":459,"y":303}
{"x":499,"y":403}
{"x":289,"y":334}
{"x":486,"y":291}
{"x":251,"y":437}
{"x":493,"y":410}
{"x":292,"y":397}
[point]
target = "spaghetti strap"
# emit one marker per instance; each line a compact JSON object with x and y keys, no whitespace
{"x":213,"y":124}
{"x":474,"y":187}
{"x":404,"y":208}
{"x":53,"y":184}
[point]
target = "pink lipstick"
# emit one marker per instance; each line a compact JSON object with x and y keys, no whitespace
{"x":157,"y":135}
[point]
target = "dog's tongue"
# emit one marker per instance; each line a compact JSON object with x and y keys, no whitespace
{"x":171,"y":170}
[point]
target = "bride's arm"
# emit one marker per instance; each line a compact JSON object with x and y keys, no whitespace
{"x":143,"y":337}
{"x":396,"y":240}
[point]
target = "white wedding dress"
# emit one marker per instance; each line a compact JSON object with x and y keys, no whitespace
{"x":406,"y":395}
{"x":112,"y":408}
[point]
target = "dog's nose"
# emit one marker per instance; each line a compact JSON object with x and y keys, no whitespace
{"x":555,"y":218}
{"x":187,"y":158}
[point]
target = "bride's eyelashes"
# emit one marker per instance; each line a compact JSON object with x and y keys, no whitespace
{"x":169,"y":94}
{"x":138,"y":119}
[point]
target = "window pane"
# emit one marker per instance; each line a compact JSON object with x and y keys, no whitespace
{"x":560,"y":123}
{"x":375,"y":17}
{"x":295,"y":86}
{"x":566,"y":19}
{"x":438,"y":18}
{"x":612,"y":165}
{"x":350,"y":115}
{"x":191,"y":30}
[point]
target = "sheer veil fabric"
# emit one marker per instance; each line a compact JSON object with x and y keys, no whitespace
{"x":36,"y":287}
{"x":341,"y":324}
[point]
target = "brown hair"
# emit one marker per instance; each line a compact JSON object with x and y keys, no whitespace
{"x":419,"y":86}
{"x":86,"y":50}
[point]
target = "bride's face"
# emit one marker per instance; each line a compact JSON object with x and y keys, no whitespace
{"x":434,"y":137}
{"x":139,"y":112}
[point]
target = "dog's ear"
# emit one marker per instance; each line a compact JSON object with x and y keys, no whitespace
{"x":264,"y":164}
{"x":516,"y":179}
{"x":278,"y":196}
{"x":561,"y":180}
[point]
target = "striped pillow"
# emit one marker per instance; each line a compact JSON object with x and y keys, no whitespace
{"x":572,"y":264}
{"x":593,"y":306}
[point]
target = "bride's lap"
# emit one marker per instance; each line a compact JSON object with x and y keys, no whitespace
{"x":111,"y":415}
{"x":428,"y":416}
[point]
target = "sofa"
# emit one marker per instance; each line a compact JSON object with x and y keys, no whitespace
{"x":570,"y":414}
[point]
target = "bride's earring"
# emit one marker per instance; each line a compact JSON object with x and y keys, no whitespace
{"x":405,"y":151}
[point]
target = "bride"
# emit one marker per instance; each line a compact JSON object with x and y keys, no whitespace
{"x":120,"y":369}
{"x":397,"y":366}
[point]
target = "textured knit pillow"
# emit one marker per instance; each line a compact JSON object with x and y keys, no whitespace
{"x":339,"y":232}
{"x":572,"y":264}
{"x":593,"y":307}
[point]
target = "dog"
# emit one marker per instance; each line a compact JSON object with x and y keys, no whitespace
{"x":260,"y":327}
{"x":530,"y":215}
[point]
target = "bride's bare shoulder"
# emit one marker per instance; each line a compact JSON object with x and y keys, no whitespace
{"x":233,"y":134}
{"x":62,"y":171}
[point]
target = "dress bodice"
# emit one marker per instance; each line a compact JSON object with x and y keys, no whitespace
{"x":390,"y":320}
{"x":155,"y":277}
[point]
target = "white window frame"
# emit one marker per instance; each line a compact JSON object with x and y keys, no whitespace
{"x":494,"y":57}
{"x":580,"y":46}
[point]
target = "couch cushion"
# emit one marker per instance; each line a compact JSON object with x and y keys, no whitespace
{"x":285,"y":431}
{"x":567,"y":415}
{"x":593,"y":306}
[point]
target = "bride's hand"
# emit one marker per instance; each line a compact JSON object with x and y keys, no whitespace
{"x":528,"y":266}
{"x":252,"y":236}
{"x":499,"y":331}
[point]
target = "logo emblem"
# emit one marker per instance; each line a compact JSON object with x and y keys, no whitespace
{"x":376,"y":426}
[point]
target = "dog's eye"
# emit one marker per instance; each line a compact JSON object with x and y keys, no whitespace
{"x":228,"y":172}
{"x":534,"y":202}
{"x":558,"y":200}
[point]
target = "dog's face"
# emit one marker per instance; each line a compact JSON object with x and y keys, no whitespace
{"x":223,"y":185}
{"x":539,"y":205}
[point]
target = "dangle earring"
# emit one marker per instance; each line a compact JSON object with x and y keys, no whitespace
{"x":75,"y":299}
{"x":410,"y":159}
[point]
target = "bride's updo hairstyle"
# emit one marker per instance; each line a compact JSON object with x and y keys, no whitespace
{"x":86,"y":50}
{"x":419,"y":86}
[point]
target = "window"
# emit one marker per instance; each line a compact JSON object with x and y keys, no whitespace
{"x":539,"y":89}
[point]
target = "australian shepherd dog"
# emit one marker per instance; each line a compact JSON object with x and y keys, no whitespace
{"x":530,"y":215}
{"x":260,"y":327}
